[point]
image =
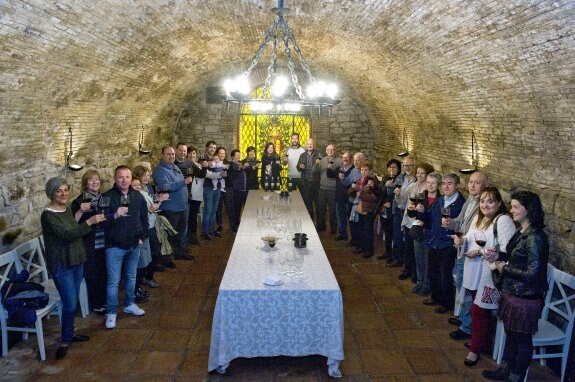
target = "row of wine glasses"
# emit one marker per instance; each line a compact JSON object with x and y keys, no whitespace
{"x":291,"y":263}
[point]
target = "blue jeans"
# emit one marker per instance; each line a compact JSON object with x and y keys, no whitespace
{"x":115,"y":258}
{"x":67,"y":281}
{"x":465,"y":312}
{"x":211,"y":201}
{"x":341,"y":214}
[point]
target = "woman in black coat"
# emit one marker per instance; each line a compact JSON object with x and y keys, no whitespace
{"x":271,"y":168}
{"x":523,"y":284}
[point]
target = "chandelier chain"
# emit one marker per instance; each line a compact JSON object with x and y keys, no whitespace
{"x":291,"y":66}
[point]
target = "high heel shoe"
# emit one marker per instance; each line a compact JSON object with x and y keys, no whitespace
{"x":470,"y":363}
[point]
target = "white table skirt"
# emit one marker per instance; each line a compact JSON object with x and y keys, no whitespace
{"x":303,"y":316}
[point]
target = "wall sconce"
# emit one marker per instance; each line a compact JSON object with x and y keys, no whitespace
{"x":405,"y":151}
{"x":141,"y":148}
{"x":71,"y":166}
{"x":471,"y":170}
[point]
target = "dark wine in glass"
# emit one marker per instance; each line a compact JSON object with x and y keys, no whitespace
{"x":480,"y":239}
{"x":125,"y":200}
{"x":459,"y":234}
{"x":445,"y":212}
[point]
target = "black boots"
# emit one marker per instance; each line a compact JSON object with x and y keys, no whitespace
{"x":500,"y":374}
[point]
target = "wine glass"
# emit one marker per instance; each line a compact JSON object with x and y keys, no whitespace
{"x":88,"y":198}
{"x":446,"y":212}
{"x":480,"y":238}
{"x":298,"y":262}
{"x":125,"y":201}
{"x":164,"y":189}
{"x":103,"y":203}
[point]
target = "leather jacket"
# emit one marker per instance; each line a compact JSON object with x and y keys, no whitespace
{"x":526,"y":272}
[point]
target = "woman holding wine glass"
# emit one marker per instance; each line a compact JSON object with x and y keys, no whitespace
{"x":523,"y":270}
{"x":486,"y":239}
{"x":65,"y":255}
{"x":196,"y":196}
{"x":419,"y":231}
{"x":385,"y":210}
{"x":366,"y":193}
{"x":251,"y":166}
{"x":414,"y":261}
{"x":84,"y":207}
{"x":145,"y":276}
{"x":416,"y":192}
{"x":271,"y":168}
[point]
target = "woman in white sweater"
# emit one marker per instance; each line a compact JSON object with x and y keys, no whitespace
{"x":487,"y":236}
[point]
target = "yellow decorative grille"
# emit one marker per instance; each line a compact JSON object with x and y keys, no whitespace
{"x":258,"y":129}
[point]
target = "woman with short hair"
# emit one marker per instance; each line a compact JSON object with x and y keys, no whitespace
{"x":65,"y":255}
{"x":366,"y":193}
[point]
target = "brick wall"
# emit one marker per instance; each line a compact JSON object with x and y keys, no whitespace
{"x":436,"y":69}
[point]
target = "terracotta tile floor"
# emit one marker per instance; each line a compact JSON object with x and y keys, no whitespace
{"x":389,"y":334}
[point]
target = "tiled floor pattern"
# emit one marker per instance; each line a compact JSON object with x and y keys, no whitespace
{"x":389,"y":334}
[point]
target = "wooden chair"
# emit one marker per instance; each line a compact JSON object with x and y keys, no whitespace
{"x":31,"y":254}
{"x":555,"y":326}
{"x":10,"y":263}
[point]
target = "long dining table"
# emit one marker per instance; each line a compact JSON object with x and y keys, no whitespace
{"x":299,"y":317}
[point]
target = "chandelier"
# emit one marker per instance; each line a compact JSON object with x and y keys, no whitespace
{"x":279,"y":95}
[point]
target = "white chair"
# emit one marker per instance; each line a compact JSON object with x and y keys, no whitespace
{"x":31,"y":254}
{"x":556,"y":324}
{"x":9,"y":262}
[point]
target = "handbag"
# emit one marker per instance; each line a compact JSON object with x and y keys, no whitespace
{"x":495,"y":274}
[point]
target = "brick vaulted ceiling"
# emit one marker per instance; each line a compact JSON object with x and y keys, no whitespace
{"x":435,"y":69}
{"x":413,"y":64}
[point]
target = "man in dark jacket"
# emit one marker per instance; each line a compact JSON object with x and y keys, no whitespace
{"x":441,"y":252}
{"x":125,"y":234}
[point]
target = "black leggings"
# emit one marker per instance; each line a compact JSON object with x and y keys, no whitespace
{"x":518,"y":352}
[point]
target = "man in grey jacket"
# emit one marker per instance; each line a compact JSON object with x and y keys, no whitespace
{"x":326,"y":194}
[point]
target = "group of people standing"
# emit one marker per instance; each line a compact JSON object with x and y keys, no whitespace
{"x":430,"y":229}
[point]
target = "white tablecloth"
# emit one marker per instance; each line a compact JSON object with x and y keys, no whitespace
{"x":303,"y":316}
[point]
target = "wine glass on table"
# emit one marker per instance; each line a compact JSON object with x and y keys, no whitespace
{"x":125,"y":202}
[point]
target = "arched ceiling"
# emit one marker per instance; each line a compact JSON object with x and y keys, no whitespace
{"x":411,"y":64}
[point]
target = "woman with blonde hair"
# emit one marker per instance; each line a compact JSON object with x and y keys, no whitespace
{"x":84,"y":207}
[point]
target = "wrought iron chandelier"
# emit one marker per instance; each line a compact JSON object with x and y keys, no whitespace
{"x":277,"y":95}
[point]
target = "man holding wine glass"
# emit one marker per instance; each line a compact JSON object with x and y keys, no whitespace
{"x":326,"y":194}
{"x":168,"y":177}
{"x":441,"y":252}
{"x":477,"y":182}
{"x":125,"y":234}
